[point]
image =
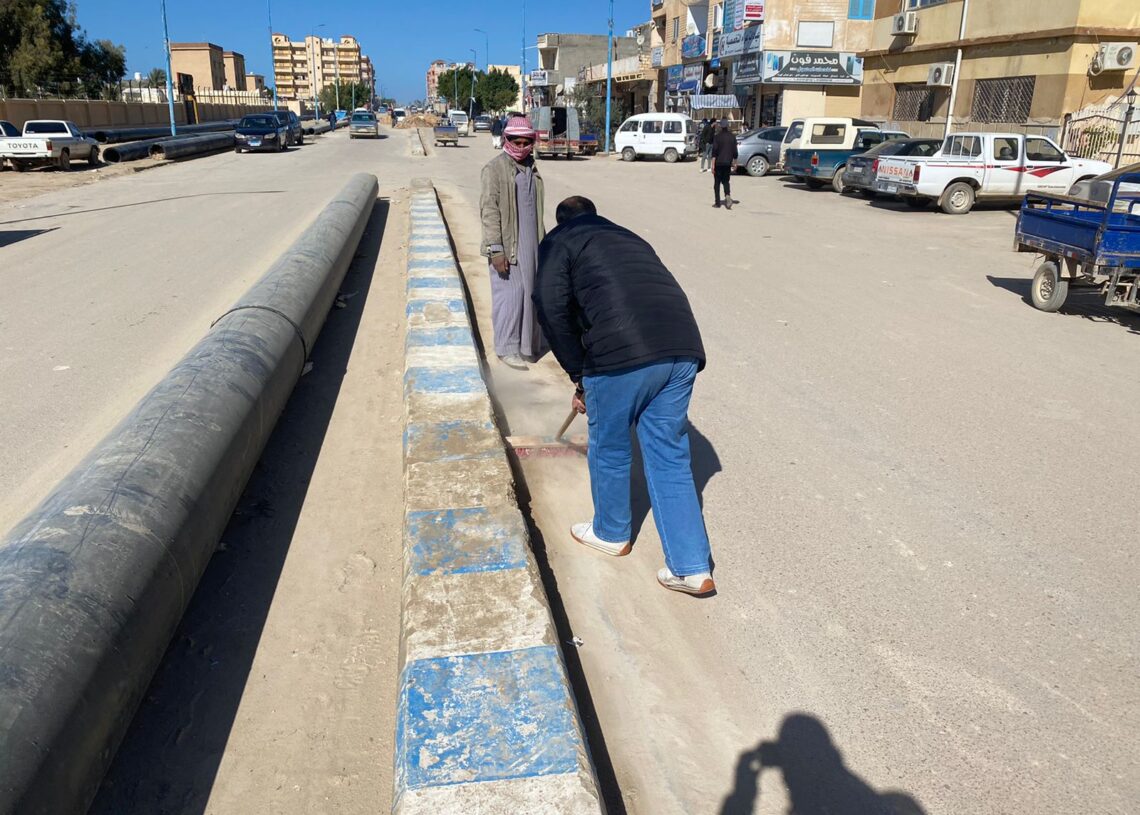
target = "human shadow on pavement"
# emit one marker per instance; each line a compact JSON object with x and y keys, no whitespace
{"x":169,"y":758}
{"x":706,"y":464}
{"x":817,"y":780}
{"x":1081,"y":302}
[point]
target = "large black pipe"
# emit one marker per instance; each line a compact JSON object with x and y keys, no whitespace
{"x":191,"y":146}
{"x":122,"y":134}
{"x":130,"y":151}
{"x":94,"y":581}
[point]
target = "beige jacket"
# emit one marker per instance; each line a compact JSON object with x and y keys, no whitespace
{"x":499,"y":208}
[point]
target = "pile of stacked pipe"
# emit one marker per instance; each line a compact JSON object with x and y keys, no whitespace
{"x":156,"y":142}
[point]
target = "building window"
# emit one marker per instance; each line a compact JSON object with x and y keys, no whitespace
{"x":718,"y":16}
{"x":913,"y":103}
{"x":923,"y":3}
{"x":1003,"y":100}
{"x":676,"y":28}
{"x":815,"y":34}
{"x":861,"y":9}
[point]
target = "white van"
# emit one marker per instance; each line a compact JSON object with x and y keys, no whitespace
{"x":458,"y":119}
{"x":672,"y":136}
{"x":794,"y":138}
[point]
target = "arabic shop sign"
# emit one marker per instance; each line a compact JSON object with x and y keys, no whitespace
{"x":658,"y":57}
{"x":745,"y":41}
{"x":693,"y":46}
{"x":812,"y":68}
{"x":691,"y":77}
{"x":753,"y":11}
{"x":538,"y":79}
{"x":673,"y":76}
{"x":747,"y":70}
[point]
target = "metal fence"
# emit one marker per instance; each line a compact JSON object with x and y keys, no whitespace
{"x":1098,"y":133}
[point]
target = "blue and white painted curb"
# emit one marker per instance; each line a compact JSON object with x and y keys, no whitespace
{"x":487,"y":721}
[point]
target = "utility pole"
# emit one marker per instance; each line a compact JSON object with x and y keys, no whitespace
{"x":1128,"y":113}
{"x":610,"y":78}
{"x":471,"y":101}
{"x":269,"y":8}
{"x":957,"y":69}
{"x":522,"y":68}
{"x":169,"y":74}
{"x":336,"y":63}
{"x":486,"y":50}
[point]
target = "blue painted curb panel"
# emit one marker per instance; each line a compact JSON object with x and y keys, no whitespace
{"x":414,"y":265}
{"x":433,"y":283}
{"x":485,"y":717}
{"x":418,"y":306}
{"x":464,"y":379}
{"x":460,"y":541}
{"x":444,"y":335}
{"x":455,"y":440}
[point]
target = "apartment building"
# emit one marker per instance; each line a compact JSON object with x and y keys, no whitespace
{"x":204,"y":61}
{"x":234,"y":64}
{"x":434,"y":71}
{"x":302,"y":68}
{"x":562,"y":56}
{"x":1024,"y":65}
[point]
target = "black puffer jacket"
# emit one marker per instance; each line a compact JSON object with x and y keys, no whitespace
{"x":605,"y":301}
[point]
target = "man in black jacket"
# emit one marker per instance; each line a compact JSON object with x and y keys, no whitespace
{"x":622,"y":329}
{"x":724,"y":163}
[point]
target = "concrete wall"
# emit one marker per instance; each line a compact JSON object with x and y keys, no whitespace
{"x":782,"y":19}
{"x":91,"y":114}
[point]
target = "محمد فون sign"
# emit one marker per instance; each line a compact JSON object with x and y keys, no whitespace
{"x":813,"y":68}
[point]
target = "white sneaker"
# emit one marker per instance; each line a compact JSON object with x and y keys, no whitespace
{"x":698,"y":584}
{"x":584,"y":534}
{"x":514,"y":361}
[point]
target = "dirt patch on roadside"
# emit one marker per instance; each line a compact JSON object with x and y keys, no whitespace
{"x":28,"y":184}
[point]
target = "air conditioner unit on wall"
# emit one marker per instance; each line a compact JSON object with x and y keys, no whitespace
{"x":941,"y":75}
{"x":1117,"y":56}
{"x":905,"y":24}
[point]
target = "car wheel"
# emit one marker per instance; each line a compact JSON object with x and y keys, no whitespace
{"x":1075,"y":189}
{"x":958,"y":199}
{"x":1049,"y":289}
{"x":837,"y":179}
{"x":758,"y":166}
{"x":64,"y":162}
{"x":281,"y":145}
{"x":870,"y":195}
{"x":671,"y":156}
{"x":628,"y":154}
{"x":93,"y":157}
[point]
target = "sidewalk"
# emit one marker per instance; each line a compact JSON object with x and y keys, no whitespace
{"x":288,"y":650}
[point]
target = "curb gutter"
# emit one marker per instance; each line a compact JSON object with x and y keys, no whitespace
{"x":487,"y":721}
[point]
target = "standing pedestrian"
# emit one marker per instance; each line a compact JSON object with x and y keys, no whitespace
{"x":332,"y":120}
{"x":497,"y":132}
{"x":724,"y":163}
{"x":621,"y":327}
{"x":511,"y":207}
{"x":704,"y":144}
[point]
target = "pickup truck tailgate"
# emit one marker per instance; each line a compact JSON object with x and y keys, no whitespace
{"x":25,"y":147}
{"x":895,"y":171}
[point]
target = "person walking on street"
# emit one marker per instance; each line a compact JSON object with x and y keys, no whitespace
{"x":704,"y":144}
{"x":497,"y":132}
{"x":724,"y":163}
{"x":622,"y":329}
{"x":511,"y":208}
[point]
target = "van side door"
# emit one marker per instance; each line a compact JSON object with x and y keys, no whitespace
{"x":651,"y":137}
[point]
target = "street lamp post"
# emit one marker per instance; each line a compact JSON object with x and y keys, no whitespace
{"x":522,"y":68}
{"x":1130,"y":97}
{"x":169,"y":75}
{"x":471,"y":100}
{"x":486,"y":50}
{"x":269,"y":8}
{"x":610,"y":77}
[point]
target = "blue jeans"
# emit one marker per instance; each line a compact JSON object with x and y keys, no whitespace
{"x":655,"y":398}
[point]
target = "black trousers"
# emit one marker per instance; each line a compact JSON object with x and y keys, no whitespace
{"x":722,"y":176}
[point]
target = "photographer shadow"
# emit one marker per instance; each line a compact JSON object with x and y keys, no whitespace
{"x":818,"y":781}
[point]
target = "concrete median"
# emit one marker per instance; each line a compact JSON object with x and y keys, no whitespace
{"x":487,"y":721}
{"x":95,"y":580}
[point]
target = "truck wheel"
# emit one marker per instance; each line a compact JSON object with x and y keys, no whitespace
{"x":93,"y":157}
{"x":628,"y":154}
{"x":813,"y":183}
{"x":671,"y":156}
{"x":837,"y":179}
{"x":958,"y":199}
{"x":757,"y":166}
{"x":1049,"y":289}
{"x":64,"y":162}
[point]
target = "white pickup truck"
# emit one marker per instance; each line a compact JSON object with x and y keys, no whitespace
{"x":49,"y":142}
{"x":983,"y":166}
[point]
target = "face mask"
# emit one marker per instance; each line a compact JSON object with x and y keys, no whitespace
{"x":515,"y":151}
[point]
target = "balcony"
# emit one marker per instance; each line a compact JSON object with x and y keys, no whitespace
{"x":627,"y":69}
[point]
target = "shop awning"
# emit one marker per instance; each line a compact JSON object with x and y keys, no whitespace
{"x":714,"y":101}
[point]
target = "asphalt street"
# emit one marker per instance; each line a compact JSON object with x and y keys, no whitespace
{"x":919,"y":489}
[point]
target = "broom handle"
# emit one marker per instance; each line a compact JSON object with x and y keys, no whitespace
{"x":566,"y":425}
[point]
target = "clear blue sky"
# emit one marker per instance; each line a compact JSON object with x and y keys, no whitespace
{"x":402,"y":38}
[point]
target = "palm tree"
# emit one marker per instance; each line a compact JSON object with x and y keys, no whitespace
{"x":156,"y":78}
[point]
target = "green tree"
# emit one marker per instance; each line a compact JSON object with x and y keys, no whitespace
{"x":591,"y":103}
{"x":352,"y":94}
{"x":455,"y":86}
{"x":156,"y":78}
{"x":496,"y":91}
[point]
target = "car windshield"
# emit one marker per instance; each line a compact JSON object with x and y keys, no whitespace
{"x":258,"y":121}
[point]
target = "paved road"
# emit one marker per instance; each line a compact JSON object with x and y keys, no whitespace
{"x":918,"y":490}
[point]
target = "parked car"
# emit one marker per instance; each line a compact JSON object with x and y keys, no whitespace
{"x":825,"y":146}
{"x":483,"y":123}
{"x":557,"y":132}
{"x":49,"y":143}
{"x":758,"y":151}
{"x":8,"y":130}
{"x":860,"y":173}
{"x":295,"y":131}
{"x":363,"y":123}
{"x":1098,"y":190}
{"x":796,"y":130}
{"x":985,"y":166}
{"x":260,"y":131}
{"x":671,"y":136}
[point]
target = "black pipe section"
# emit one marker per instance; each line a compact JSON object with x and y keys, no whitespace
{"x":122,"y":134}
{"x":130,"y":151}
{"x":191,"y":146}
{"x":94,"y":581}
